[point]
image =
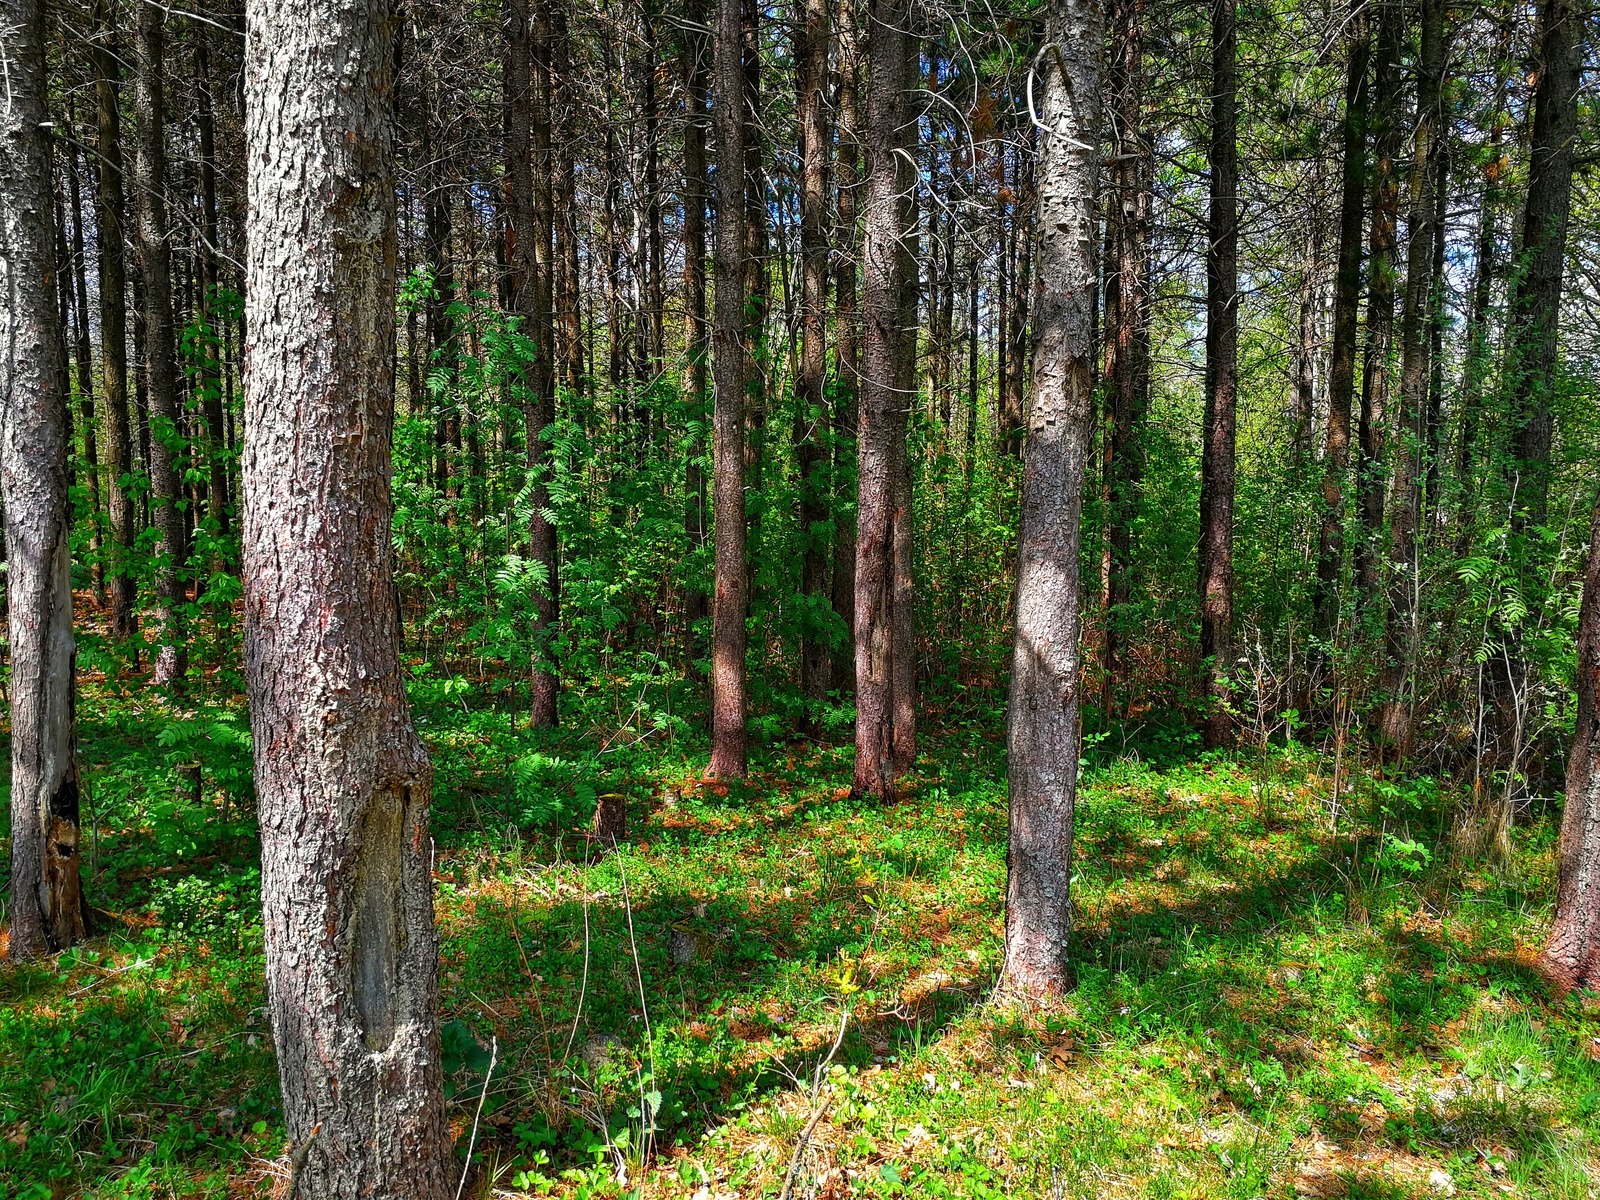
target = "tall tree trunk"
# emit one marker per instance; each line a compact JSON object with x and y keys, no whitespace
{"x":1475,"y":370}
{"x":83,"y":357}
{"x":47,"y":906}
{"x":881,"y":437}
{"x":342,"y":780}
{"x":1042,"y":724}
{"x":539,"y":407}
{"x":811,"y":58}
{"x":696,"y":192}
{"x":847,"y":346}
{"x":1376,"y":376}
{"x":1222,"y":354}
{"x":1536,"y":295}
{"x":155,"y":260}
{"x":1130,"y":336}
{"x":757,"y":294}
{"x":210,"y":373}
{"x":1405,"y":508}
{"x":1342,"y":354}
{"x":109,"y":210}
{"x":571,"y":364}
{"x":731,"y":594}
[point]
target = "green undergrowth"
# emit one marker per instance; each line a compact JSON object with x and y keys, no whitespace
{"x":1268,"y":1002}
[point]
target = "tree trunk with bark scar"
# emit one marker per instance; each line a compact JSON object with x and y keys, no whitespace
{"x":343,"y":780}
{"x":1572,"y":955}
{"x":1342,"y":353}
{"x":1222,"y":384}
{"x":811,"y":57}
{"x":47,"y":908}
{"x":155,"y":260}
{"x":881,"y":435}
{"x":731,"y":595}
{"x":109,"y":212}
{"x":1042,"y":725}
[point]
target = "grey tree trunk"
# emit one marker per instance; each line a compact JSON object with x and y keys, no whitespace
{"x":885,"y":403}
{"x":1042,"y":729}
{"x":731,"y":590}
{"x":47,"y":909}
{"x":1222,"y":379}
{"x":160,"y":364}
{"x":109,"y":213}
{"x":342,"y":779}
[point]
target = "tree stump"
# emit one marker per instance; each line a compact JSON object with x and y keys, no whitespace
{"x":190,"y":787}
{"x":611,"y":819}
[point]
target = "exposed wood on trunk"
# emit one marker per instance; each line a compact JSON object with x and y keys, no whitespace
{"x":47,"y":906}
{"x":342,"y":780}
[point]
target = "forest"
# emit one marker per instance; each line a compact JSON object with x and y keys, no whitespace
{"x":715,"y":599}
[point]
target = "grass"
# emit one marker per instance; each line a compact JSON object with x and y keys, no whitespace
{"x":1264,"y":1006}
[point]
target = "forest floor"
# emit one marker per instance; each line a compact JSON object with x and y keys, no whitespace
{"x":1267,"y":1004}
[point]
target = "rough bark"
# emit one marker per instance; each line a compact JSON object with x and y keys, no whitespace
{"x":1222,"y":354}
{"x":1572,"y":955}
{"x":1342,"y":352}
{"x":109,"y":211}
{"x":47,"y":908}
{"x":881,"y":433}
{"x":1405,"y":508}
{"x":342,"y":780}
{"x":811,"y":56}
{"x":1536,"y":295}
{"x":731,"y":595}
{"x":1042,"y":728}
{"x":160,"y":365}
